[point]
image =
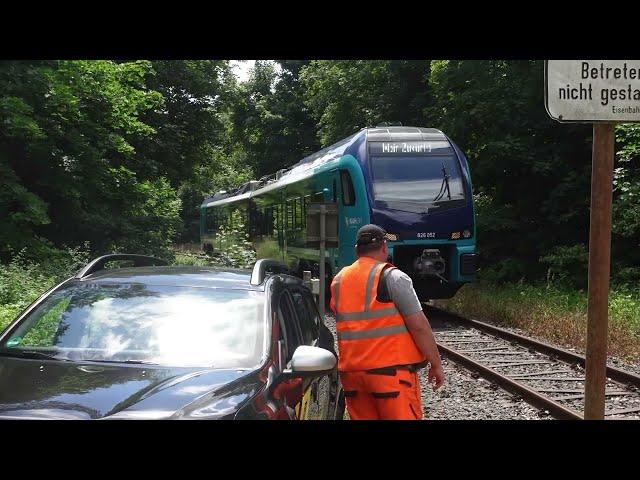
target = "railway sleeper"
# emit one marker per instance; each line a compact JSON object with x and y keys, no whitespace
{"x":580,"y":396}
{"x":548,"y":372}
{"x":518,"y":363}
{"x":621,"y":411}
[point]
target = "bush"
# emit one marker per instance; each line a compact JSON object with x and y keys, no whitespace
{"x":268,"y":249}
{"x":503,"y":271}
{"x":232,"y":247}
{"x":568,"y":265}
{"x":187,"y":258}
{"x":24,"y":278}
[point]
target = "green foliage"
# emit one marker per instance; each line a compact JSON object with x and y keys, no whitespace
{"x":233,"y":245}
{"x":268,"y":249}
{"x":67,"y":148}
{"x":187,"y":258}
{"x":271,"y":125}
{"x":624,"y":309}
{"x":155,"y":211}
{"x":568,"y":264}
{"x":225,"y":170}
{"x":347,"y":95}
{"x":24,"y":279}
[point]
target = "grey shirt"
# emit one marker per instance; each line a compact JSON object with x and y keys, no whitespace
{"x":401,"y":291}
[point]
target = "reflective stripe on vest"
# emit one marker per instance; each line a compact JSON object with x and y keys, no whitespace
{"x":367,"y":314}
{"x":375,"y":332}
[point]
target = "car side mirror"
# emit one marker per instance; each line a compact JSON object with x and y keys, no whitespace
{"x":310,"y":361}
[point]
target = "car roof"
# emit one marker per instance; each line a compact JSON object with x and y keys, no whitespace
{"x":179,"y":276}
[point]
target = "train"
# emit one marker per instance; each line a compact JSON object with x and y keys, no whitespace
{"x":414,"y":182}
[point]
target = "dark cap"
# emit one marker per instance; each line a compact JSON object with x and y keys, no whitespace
{"x":370,"y":234}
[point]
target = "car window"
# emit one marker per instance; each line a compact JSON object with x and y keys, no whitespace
{"x":166,"y":325}
{"x":289,"y":329}
{"x":308,"y":324}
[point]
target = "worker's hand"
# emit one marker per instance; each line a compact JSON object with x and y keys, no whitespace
{"x":437,"y":375}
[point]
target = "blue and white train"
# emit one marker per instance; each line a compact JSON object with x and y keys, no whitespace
{"x":414,"y":182}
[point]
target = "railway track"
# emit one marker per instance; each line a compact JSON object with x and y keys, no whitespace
{"x":546,"y":376}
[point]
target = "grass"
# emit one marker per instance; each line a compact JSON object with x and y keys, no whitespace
{"x":21,"y":282}
{"x":553,"y":313}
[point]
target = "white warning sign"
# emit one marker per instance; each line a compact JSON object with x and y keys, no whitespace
{"x":593,"y":90}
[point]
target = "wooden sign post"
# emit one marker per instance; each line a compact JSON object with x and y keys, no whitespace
{"x":602,"y":92}
{"x":322,"y":232}
{"x":599,"y":269}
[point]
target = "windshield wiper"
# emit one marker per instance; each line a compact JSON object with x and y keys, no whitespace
{"x":135,"y":362}
{"x":33,"y":354}
{"x":444,"y":187}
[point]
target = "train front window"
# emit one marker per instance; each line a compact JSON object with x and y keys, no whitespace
{"x":416,"y":179}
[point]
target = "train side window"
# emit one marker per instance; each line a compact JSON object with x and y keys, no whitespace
{"x":270,"y":221}
{"x":348,"y":192}
{"x":290,"y":213}
{"x":265,"y":221}
{"x":335,"y":192}
{"x":299,"y":214}
{"x":210,"y":220}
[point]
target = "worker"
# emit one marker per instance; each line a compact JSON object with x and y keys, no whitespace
{"x":384,"y":337}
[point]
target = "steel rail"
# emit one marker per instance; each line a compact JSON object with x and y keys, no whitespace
{"x":612,"y":372}
{"x":528,"y":394}
{"x":510,"y":383}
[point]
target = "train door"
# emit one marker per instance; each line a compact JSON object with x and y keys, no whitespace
{"x":350,"y":218}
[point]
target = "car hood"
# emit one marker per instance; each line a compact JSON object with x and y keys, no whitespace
{"x":68,"y":390}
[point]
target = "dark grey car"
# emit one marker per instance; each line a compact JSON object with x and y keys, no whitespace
{"x":155,"y":342}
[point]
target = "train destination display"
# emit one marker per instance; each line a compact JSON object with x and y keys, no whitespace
{"x":409,"y":147}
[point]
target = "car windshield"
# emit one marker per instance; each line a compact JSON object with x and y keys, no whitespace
{"x":167,"y":325}
{"x":416,"y":178}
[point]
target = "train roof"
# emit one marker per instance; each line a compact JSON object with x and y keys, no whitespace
{"x":303,"y":168}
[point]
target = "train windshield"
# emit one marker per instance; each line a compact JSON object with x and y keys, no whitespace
{"x":425,"y":179}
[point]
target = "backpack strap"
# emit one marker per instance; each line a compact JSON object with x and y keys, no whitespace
{"x":382,"y":294}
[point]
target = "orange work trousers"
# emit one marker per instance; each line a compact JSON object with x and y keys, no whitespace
{"x":392,"y":395}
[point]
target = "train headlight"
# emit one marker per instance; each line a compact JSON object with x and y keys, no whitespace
{"x":455,"y":235}
{"x":466,"y":234}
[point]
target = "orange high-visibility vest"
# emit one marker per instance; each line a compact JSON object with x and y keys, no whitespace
{"x":371,"y":334}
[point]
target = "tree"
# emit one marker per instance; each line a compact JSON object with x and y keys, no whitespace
{"x":272,"y":125}
{"x":192,"y":147}
{"x":347,"y":95}
{"x":626,"y":205}
{"x":67,"y":149}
